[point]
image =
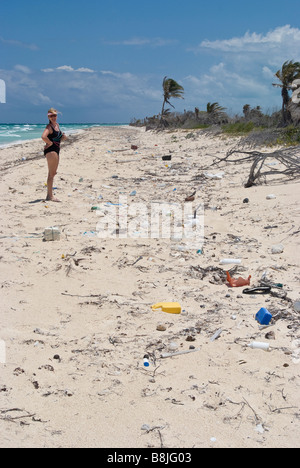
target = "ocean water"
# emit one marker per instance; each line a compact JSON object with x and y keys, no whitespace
{"x":11,"y":134}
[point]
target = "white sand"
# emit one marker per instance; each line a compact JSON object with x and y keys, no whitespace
{"x":95,"y":314}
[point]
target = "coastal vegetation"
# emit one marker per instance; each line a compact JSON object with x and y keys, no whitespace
{"x":279,"y":127}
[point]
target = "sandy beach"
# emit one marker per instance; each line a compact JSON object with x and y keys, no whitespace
{"x":76,"y":316}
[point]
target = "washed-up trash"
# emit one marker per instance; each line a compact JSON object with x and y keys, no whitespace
{"x":271,"y":196}
{"x":169,"y":307}
{"x":257,"y":290}
{"x":179,"y":353}
{"x":146,"y":361}
{"x":263,"y":316}
{"x":52,"y":234}
{"x":90,"y":233}
{"x":277,"y":249}
{"x":237,"y":282}
{"x":167,"y":158}
{"x":297,"y":306}
{"x":225,"y":261}
{"x":214,"y":176}
{"x":134,"y":147}
{"x":259,"y":345}
{"x":216,"y":335}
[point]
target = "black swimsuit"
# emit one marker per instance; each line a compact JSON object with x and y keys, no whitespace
{"x":55,"y":137}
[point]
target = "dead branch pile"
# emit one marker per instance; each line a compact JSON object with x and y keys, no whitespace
{"x":283,"y":162}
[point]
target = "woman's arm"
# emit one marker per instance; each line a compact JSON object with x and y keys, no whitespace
{"x":45,"y":138}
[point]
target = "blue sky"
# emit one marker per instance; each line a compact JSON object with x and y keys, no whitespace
{"x":102,"y":62}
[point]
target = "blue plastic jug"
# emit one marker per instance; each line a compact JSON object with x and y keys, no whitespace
{"x":263,"y":316}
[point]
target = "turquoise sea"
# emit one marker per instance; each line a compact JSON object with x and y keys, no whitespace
{"x":11,"y":134}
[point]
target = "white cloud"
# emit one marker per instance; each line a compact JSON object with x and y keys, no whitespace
{"x":267,"y":72}
{"x":23,"y":69}
{"x":230,"y":87}
{"x":245,"y":68}
{"x":12,"y":42}
{"x":143,"y":41}
{"x":68,"y":68}
{"x":85,"y":70}
{"x":279,"y":44}
{"x":42,"y":99}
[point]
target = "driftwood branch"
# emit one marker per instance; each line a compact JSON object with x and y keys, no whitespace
{"x":287,"y":163}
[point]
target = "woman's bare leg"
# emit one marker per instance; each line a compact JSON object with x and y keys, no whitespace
{"x":53,"y":161}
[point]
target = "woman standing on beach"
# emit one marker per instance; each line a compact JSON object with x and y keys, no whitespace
{"x":52,"y":136}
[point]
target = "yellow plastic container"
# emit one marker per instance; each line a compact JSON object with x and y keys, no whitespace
{"x":169,"y":307}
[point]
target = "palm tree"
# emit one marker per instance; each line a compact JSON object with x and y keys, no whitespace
{"x":289,"y":72}
{"x":171,"y":89}
{"x":215,"y":111}
{"x":214,"y":108}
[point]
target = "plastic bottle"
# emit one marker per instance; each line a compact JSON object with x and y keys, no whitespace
{"x":236,"y":261}
{"x":259,"y":345}
{"x":146,"y":361}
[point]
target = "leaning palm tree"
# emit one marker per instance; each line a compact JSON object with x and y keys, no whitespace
{"x":214,"y":108}
{"x":215,"y":111}
{"x":171,"y":90}
{"x":289,"y":72}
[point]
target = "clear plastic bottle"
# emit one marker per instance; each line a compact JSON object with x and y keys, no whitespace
{"x":259,"y":345}
{"x":236,"y":261}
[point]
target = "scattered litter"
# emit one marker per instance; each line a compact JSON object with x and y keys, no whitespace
{"x":263,"y":316}
{"x":258,"y":290}
{"x":259,"y":428}
{"x":146,"y":361}
{"x":259,"y":345}
{"x":277,"y":249}
{"x":52,"y":234}
{"x":237,"y":282}
{"x":145,"y":427}
{"x":90,"y":233}
{"x":297,"y":306}
{"x":235,"y":261}
{"x":179,"y":353}
{"x":169,"y":307}
{"x":216,"y":335}
{"x":219,"y":175}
